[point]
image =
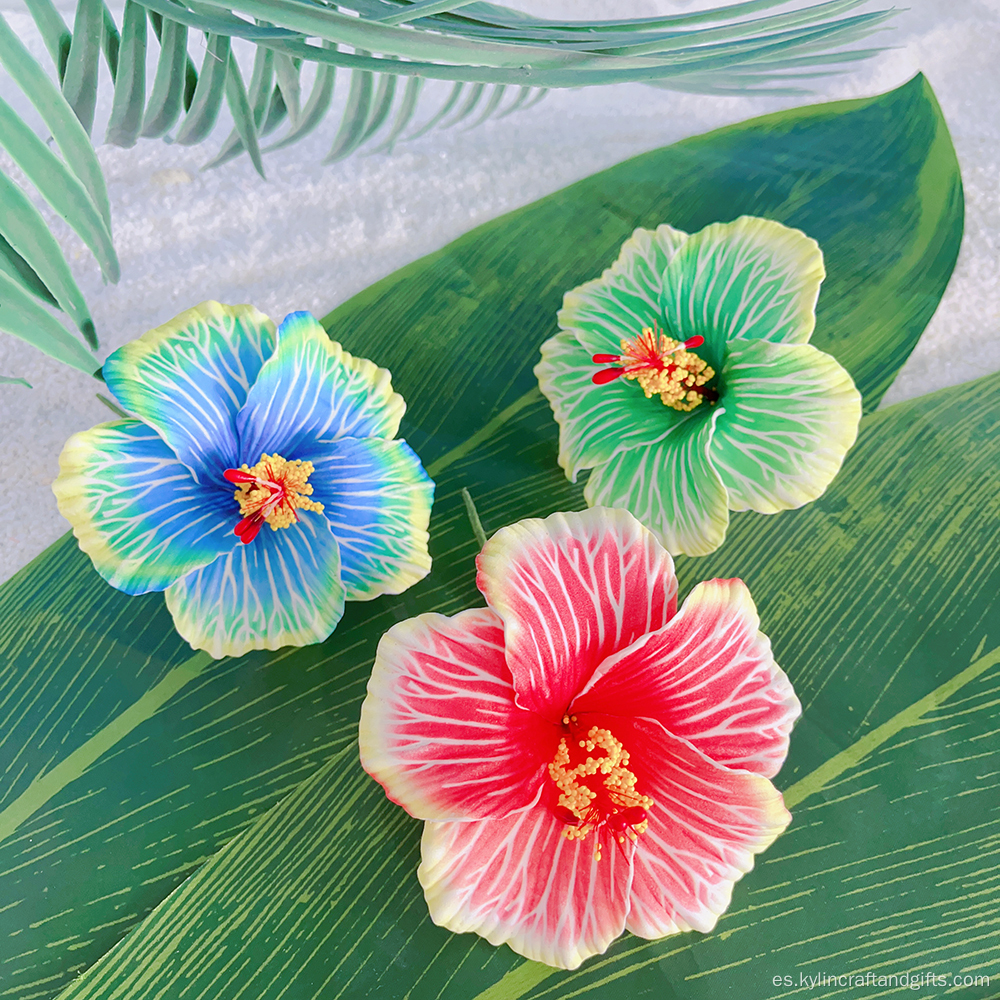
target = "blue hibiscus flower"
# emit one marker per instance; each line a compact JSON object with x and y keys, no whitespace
{"x":258,"y":481}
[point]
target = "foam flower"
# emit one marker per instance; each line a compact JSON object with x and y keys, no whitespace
{"x":709,"y":397}
{"x":258,"y":481}
{"x":587,"y":758}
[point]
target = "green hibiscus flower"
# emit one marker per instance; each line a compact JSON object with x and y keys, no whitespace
{"x":710,"y":398}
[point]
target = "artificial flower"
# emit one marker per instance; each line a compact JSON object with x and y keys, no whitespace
{"x":587,"y":758}
{"x":707,"y":396}
{"x":258,"y":481}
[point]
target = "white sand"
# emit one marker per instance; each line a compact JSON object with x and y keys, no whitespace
{"x":312,"y":236}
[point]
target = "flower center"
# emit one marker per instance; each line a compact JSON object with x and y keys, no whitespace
{"x":661,"y":365}
{"x":596,"y":787}
{"x":270,"y":492}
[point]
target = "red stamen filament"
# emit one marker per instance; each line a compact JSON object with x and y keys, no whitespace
{"x":270,"y":493}
{"x":648,"y":360}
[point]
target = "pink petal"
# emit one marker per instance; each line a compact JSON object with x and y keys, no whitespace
{"x":571,"y":590}
{"x":439,"y":728}
{"x":709,"y":677}
{"x":705,"y":826}
{"x":519,"y":881}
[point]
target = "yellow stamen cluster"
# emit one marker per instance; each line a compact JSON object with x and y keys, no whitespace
{"x":283,"y":488}
{"x":612,"y":767}
{"x":674,"y":377}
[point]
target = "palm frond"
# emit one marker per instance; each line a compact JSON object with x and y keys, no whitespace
{"x":500,"y":61}
{"x":744,"y":46}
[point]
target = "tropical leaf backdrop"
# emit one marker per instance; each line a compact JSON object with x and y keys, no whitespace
{"x":172,"y":826}
{"x":499,"y":61}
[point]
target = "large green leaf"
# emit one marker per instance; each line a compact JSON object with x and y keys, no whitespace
{"x":882,"y":603}
{"x":127,"y":762}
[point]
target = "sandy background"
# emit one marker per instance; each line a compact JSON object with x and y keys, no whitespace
{"x":312,"y":236}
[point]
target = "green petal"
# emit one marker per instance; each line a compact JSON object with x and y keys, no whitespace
{"x":596,"y":421}
{"x":791,"y":413}
{"x":752,"y":278}
{"x":617,"y":305}
{"x":670,"y":487}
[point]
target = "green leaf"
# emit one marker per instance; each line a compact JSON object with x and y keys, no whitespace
{"x":243,"y":114}
{"x":352,"y":126}
{"x":523,"y":94}
{"x":58,"y":187}
{"x":716,"y":51}
{"x":130,"y":83}
{"x":168,"y":85}
{"x":491,"y":105}
{"x":25,"y":231}
{"x":423,"y":8}
{"x":48,"y":101}
{"x":20,"y":272}
{"x":110,"y":41}
{"x":473,"y":98}
{"x":277,"y":112}
{"x":381,"y":106}
{"x":80,"y":82}
{"x":890,"y":763}
{"x":314,"y":110}
{"x":22,"y":316}
{"x":552,"y":56}
{"x":567,"y":63}
{"x":407,"y":108}
{"x":211,"y":750}
{"x":54,"y":32}
{"x":8,"y":380}
{"x":260,"y":98}
{"x":286,"y":72}
{"x":449,"y":103}
{"x":208,"y":94}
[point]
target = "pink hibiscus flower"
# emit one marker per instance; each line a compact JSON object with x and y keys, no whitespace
{"x":587,"y":758}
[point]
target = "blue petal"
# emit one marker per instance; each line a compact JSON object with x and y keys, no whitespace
{"x":281,"y":589}
{"x":137,"y":511}
{"x":311,"y":390}
{"x":377,"y":498}
{"x":190,"y":377}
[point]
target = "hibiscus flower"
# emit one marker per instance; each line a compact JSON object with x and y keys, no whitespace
{"x":587,"y":758}
{"x":684,"y":379}
{"x":257,"y":482}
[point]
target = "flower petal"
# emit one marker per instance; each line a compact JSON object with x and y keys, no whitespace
{"x":791,"y":414}
{"x":377,"y":498}
{"x":439,"y":727}
{"x":596,"y":421}
{"x":705,"y":826}
{"x":136,"y":510}
{"x":312,"y":390}
{"x":189,"y":378}
{"x":626,"y":298}
{"x":671,"y":487}
{"x":519,"y":881}
{"x":709,"y":677}
{"x":752,"y":279}
{"x":572,"y":589}
{"x":281,"y":589}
